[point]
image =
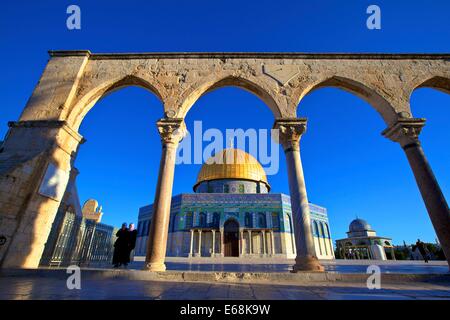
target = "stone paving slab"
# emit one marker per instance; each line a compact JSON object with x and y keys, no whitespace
{"x":101,"y":284}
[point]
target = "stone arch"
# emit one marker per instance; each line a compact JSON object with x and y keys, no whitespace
{"x":319,"y":230}
{"x":315,"y":228}
{"x":435,"y":82}
{"x":323,"y":230}
{"x":231,"y":239}
{"x":327,"y":229}
{"x":361,"y":90}
{"x":86,"y":102}
{"x":191,"y":96}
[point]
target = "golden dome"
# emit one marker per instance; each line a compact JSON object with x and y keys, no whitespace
{"x":232,"y":164}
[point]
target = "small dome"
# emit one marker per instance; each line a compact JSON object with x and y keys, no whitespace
{"x":359,"y":225}
{"x":232,"y":164}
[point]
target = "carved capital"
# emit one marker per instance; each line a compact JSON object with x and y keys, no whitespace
{"x":171,"y":131}
{"x":290,"y":132}
{"x":405,"y":131}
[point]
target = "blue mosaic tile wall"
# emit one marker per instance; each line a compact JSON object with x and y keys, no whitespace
{"x":211,"y":210}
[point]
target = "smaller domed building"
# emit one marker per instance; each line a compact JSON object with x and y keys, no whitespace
{"x":362,"y":242}
{"x":233,"y":214}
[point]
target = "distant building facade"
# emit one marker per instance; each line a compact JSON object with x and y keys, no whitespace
{"x":232,"y":213}
{"x":363,"y":243}
{"x":77,"y":235}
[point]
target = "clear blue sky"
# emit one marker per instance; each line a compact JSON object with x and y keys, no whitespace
{"x":350,"y":168}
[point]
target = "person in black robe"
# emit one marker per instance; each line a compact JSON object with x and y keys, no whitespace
{"x":121,"y":254}
{"x":132,"y":235}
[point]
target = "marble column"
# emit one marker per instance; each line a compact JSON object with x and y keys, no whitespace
{"x":290,"y":132}
{"x":406,"y":132}
{"x":222,"y":244}
{"x":272,"y":241}
{"x":199,"y":253}
{"x":241,"y":239}
{"x":171,"y":132}
{"x":239,"y":242}
{"x":213,"y":243}
{"x":249,"y":242}
{"x":192,"y":243}
{"x":263,"y":234}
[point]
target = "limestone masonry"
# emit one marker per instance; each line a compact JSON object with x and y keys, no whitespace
{"x":37,"y":155}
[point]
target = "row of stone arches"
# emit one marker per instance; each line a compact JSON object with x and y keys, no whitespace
{"x":178,"y":83}
{"x":46,"y":136}
{"x":385,"y":108}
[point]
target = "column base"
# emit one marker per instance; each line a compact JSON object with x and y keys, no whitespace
{"x":155,"y":266}
{"x":307,"y":264}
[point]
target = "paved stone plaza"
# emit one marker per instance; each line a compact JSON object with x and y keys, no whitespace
{"x":401,"y":280}
{"x":285,"y":265}
{"x":55,"y":289}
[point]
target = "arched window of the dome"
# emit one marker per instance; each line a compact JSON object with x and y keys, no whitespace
{"x":216,"y":219}
{"x":226,"y":188}
{"x":188,"y":220}
{"x":275,"y":220}
{"x":262,"y":223}
{"x":241,"y":188}
{"x":202,"y":220}
{"x":176,"y":223}
{"x":290,"y":223}
{"x":248,"y":220}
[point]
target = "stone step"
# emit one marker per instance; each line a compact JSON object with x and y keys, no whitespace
{"x":300,"y":278}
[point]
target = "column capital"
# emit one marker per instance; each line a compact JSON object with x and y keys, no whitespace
{"x":290,"y":131}
{"x":405,"y":131}
{"x":171,"y":131}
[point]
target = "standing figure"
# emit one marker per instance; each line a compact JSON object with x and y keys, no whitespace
{"x":121,"y":253}
{"x":132,"y":235}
